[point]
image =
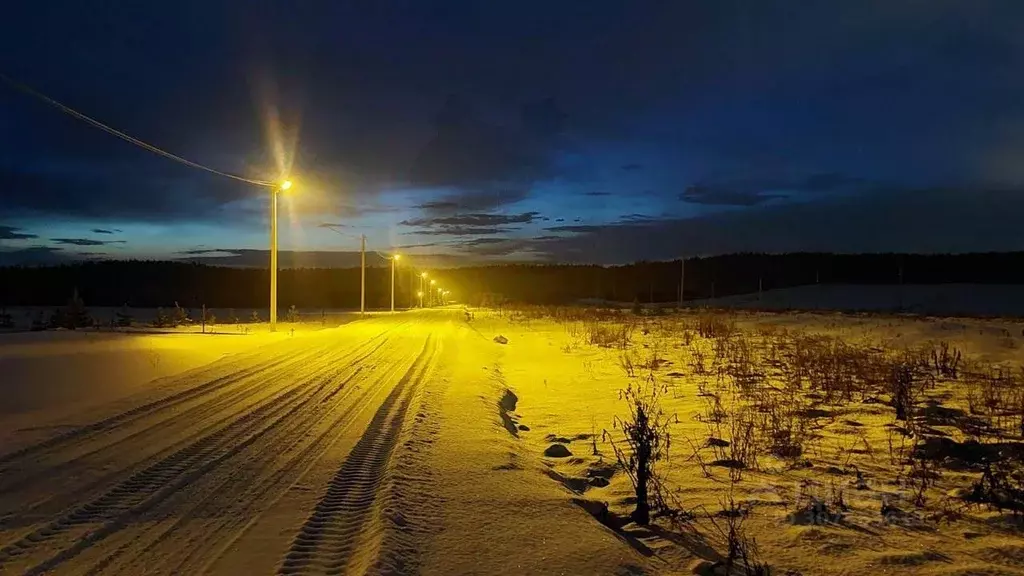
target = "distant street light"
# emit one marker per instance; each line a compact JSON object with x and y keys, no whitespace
{"x":283,"y":186}
{"x":430,"y":294}
{"x":394,"y":260}
{"x":420,"y":294}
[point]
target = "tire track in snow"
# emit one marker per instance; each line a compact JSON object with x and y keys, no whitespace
{"x":246,"y":503}
{"x":11,"y":480}
{"x":341,"y":535}
{"x":178,"y":425}
{"x":413,"y":508}
{"x":146,"y":488}
{"x":89,"y":430}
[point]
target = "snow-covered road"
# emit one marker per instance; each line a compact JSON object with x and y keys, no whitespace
{"x":377,"y":447}
{"x":214,"y":475}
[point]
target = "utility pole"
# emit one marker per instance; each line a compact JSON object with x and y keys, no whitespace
{"x":682,"y":279}
{"x":273,"y":260}
{"x":362,"y":275}
{"x":394,"y":259}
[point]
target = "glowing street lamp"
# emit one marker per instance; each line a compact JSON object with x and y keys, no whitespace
{"x":420,"y":294}
{"x":394,"y":260}
{"x":277,"y":190}
{"x":431,"y":293}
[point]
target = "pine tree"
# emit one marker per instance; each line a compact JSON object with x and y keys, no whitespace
{"x":124,"y":318}
{"x":72,"y":316}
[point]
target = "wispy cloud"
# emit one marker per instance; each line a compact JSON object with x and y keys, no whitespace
{"x":462,"y":231}
{"x":85,"y":241}
{"x":473,"y":220}
{"x":12,"y":233}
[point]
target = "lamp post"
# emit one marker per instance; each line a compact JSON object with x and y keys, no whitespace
{"x":283,"y":186}
{"x":420,"y":294}
{"x":394,"y":260}
{"x":431,"y":293}
{"x":423,"y":278}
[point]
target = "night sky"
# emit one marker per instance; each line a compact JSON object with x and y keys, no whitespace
{"x":456,"y":132}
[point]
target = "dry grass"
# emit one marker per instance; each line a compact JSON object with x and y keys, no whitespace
{"x":872,"y":419}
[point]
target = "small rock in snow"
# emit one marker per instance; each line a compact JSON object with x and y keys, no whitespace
{"x":557,"y":451}
{"x":501,"y":339}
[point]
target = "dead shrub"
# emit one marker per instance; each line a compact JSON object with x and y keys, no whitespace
{"x":1001,"y":486}
{"x":946,"y":360}
{"x":646,"y":440}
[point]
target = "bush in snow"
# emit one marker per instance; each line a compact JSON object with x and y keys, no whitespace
{"x":642,"y":443}
{"x":293,"y":314}
{"x":180,"y":316}
{"x":162,"y":320}
{"x":5,"y":319}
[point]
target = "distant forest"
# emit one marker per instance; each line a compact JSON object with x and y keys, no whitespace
{"x":150,"y":283}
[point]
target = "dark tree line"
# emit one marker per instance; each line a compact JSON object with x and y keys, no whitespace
{"x":151,"y":284}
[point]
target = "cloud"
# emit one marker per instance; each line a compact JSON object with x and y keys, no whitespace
{"x":473,"y":200}
{"x":469,"y":224}
{"x":462,"y":231}
{"x":105,"y":231}
{"x":13,"y":233}
{"x":85,"y":241}
{"x":473,"y":220}
{"x":201,"y":251}
{"x":635,"y":217}
{"x":577,"y":228}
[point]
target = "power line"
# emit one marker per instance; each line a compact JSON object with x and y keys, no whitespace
{"x":96,"y":123}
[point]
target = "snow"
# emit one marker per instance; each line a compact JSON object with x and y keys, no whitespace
{"x":416,"y":443}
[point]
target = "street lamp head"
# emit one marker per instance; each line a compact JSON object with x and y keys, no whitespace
{"x":420,"y":294}
{"x":397,"y":256}
{"x":423,"y":275}
{"x":286,"y":185}
{"x":432,"y":282}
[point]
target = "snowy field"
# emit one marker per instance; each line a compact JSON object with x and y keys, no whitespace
{"x":415,"y":443}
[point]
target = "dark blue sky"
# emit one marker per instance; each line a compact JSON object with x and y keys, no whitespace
{"x":598,"y":131}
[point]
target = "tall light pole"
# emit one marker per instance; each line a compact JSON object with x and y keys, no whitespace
{"x":423,"y":278}
{"x":394,"y":260}
{"x":431,"y":293}
{"x":362,"y":274}
{"x":283,"y":186}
